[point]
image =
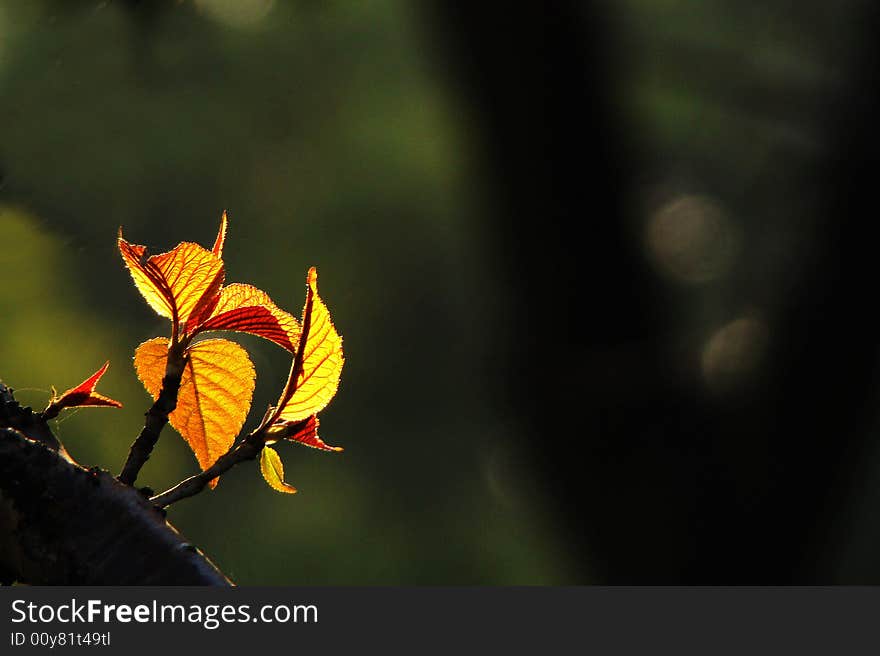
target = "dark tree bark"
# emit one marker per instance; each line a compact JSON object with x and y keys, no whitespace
{"x":63,"y":524}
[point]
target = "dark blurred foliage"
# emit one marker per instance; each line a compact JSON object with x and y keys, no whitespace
{"x":692,"y":186}
{"x":603,"y":273}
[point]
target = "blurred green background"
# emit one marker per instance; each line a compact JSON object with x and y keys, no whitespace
{"x":322,"y":131}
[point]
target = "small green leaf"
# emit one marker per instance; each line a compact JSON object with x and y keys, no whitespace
{"x":273,"y":471}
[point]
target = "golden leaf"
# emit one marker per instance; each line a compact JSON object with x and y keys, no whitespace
{"x":273,"y":470}
{"x":194,"y":275}
{"x":314,"y":375}
{"x":181,"y":284}
{"x":214,"y":397}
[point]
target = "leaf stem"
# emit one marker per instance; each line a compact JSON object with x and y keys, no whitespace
{"x":156,"y":417}
{"x":296,"y":367}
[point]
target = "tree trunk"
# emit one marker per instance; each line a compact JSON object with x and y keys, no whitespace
{"x":63,"y":524}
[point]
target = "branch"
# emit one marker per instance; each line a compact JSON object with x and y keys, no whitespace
{"x":156,"y":417}
{"x":34,"y":425}
{"x":63,"y":524}
{"x":247,"y":449}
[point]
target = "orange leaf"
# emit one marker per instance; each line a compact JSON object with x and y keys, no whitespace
{"x":214,"y":397}
{"x":314,"y":376}
{"x":273,"y":470}
{"x":180,"y":284}
{"x":83,"y":394}
{"x":244,"y":308}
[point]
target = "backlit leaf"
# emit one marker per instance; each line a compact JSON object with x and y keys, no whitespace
{"x":181,"y":284}
{"x":301,"y":432}
{"x":244,"y":308}
{"x":194,"y":275}
{"x":221,"y":237}
{"x":273,"y":470}
{"x":147,"y":279}
{"x":314,"y":376}
{"x":215,"y":392}
{"x":149,"y":363}
{"x":83,"y":394}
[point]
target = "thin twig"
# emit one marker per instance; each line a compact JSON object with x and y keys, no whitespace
{"x":156,"y":417}
{"x":247,"y":449}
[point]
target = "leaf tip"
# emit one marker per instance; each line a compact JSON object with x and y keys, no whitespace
{"x":312,"y":277}
{"x":221,"y":235}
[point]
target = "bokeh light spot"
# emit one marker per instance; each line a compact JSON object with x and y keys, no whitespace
{"x":691,"y":240}
{"x":734,"y":352}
